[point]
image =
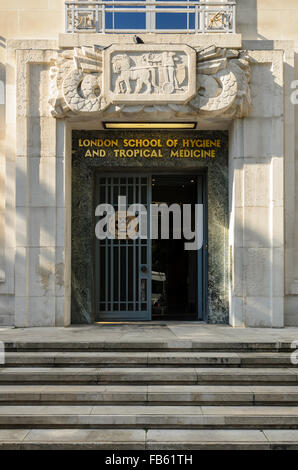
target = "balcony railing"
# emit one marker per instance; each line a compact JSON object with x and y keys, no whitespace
{"x":150,"y":16}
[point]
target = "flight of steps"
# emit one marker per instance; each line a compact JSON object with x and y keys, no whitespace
{"x":154,"y":395}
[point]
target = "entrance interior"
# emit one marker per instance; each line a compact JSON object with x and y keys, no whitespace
{"x":174,"y":293}
{"x":143,"y":278}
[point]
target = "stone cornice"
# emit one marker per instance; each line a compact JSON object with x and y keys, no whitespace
{"x":232,"y":41}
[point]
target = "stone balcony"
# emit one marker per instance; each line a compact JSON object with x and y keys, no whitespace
{"x":150,"y":16}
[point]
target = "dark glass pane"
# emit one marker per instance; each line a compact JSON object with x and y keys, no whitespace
{"x":123,"y":273}
{"x":102,"y":307}
{"x":130,"y":195}
{"x":130,"y":273}
{"x":102,"y":194}
{"x":116,"y":274}
{"x":144,"y":195}
{"x":125,"y":20}
{"x":102,"y":278}
{"x":174,"y":20}
{"x":144,"y":254}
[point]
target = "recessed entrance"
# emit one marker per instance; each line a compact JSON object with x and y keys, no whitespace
{"x":149,"y":278}
{"x":153,"y":276}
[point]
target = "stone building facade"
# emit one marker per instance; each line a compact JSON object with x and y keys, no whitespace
{"x":56,"y":85}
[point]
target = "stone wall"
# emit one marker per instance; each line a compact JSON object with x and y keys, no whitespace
{"x":33,"y":183}
{"x":257,"y":199}
{"x":38,"y":197}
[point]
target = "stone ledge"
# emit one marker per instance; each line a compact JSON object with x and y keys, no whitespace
{"x":256,"y":44}
{"x":159,"y":439}
{"x":294,"y":288}
{"x":43,"y":44}
{"x":233,"y":41}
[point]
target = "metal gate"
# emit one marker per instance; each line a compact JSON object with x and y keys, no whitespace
{"x":123,"y":266}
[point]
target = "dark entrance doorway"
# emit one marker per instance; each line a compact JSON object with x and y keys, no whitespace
{"x":150,"y":277}
{"x":176,"y":290}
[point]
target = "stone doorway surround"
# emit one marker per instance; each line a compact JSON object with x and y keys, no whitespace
{"x":35,"y":287}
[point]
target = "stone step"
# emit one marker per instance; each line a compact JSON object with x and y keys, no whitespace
{"x":164,"y":375}
{"x":152,"y":439}
{"x":149,"y":417}
{"x":211,"y":395}
{"x":147,"y":359}
{"x":157,"y":345}
{"x":162,"y":394}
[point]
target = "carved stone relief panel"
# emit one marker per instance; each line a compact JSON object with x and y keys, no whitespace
{"x":149,"y":73}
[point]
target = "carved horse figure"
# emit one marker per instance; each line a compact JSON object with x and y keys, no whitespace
{"x":122,"y":65}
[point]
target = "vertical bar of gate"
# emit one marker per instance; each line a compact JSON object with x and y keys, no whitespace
{"x":198,"y":257}
{"x":201,"y":253}
{"x":138,"y":188}
{"x":119,"y":260}
{"x":149,"y":247}
{"x":106,"y":254}
{"x":127,"y":251}
{"x":134,"y":250}
{"x":112,"y":251}
{"x":98,"y":248}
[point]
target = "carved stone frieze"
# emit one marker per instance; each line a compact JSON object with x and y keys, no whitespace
{"x":145,"y":78}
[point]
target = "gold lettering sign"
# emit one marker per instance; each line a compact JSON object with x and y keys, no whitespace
{"x":190,"y":148}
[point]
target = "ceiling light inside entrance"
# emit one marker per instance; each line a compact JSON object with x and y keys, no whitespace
{"x":150,"y":125}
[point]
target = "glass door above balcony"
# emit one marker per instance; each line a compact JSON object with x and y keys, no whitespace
{"x":177,"y":17}
{"x":152,"y":16}
{"x":131,"y":16}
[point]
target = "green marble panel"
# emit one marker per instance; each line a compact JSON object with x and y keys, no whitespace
{"x":83,"y":169}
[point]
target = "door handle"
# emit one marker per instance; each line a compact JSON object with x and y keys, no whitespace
{"x":144,"y":269}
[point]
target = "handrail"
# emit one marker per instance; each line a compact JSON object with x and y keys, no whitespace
{"x":200,"y":17}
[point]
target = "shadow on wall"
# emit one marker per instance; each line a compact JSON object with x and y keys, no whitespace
{"x":247,"y":19}
{"x":2,"y":80}
{"x":2,"y":88}
{"x":2,"y":42}
{"x":39,"y":265}
{"x":291,"y":203}
{"x":259,"y":246}
{"x":2,"y":166}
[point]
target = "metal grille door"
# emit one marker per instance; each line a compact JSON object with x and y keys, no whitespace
{"x":123,"y":265}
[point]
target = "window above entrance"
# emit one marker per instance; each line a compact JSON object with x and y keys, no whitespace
{"x":162,"y":16}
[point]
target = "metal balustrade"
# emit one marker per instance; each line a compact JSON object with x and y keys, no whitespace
{"x":150,"y":16}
